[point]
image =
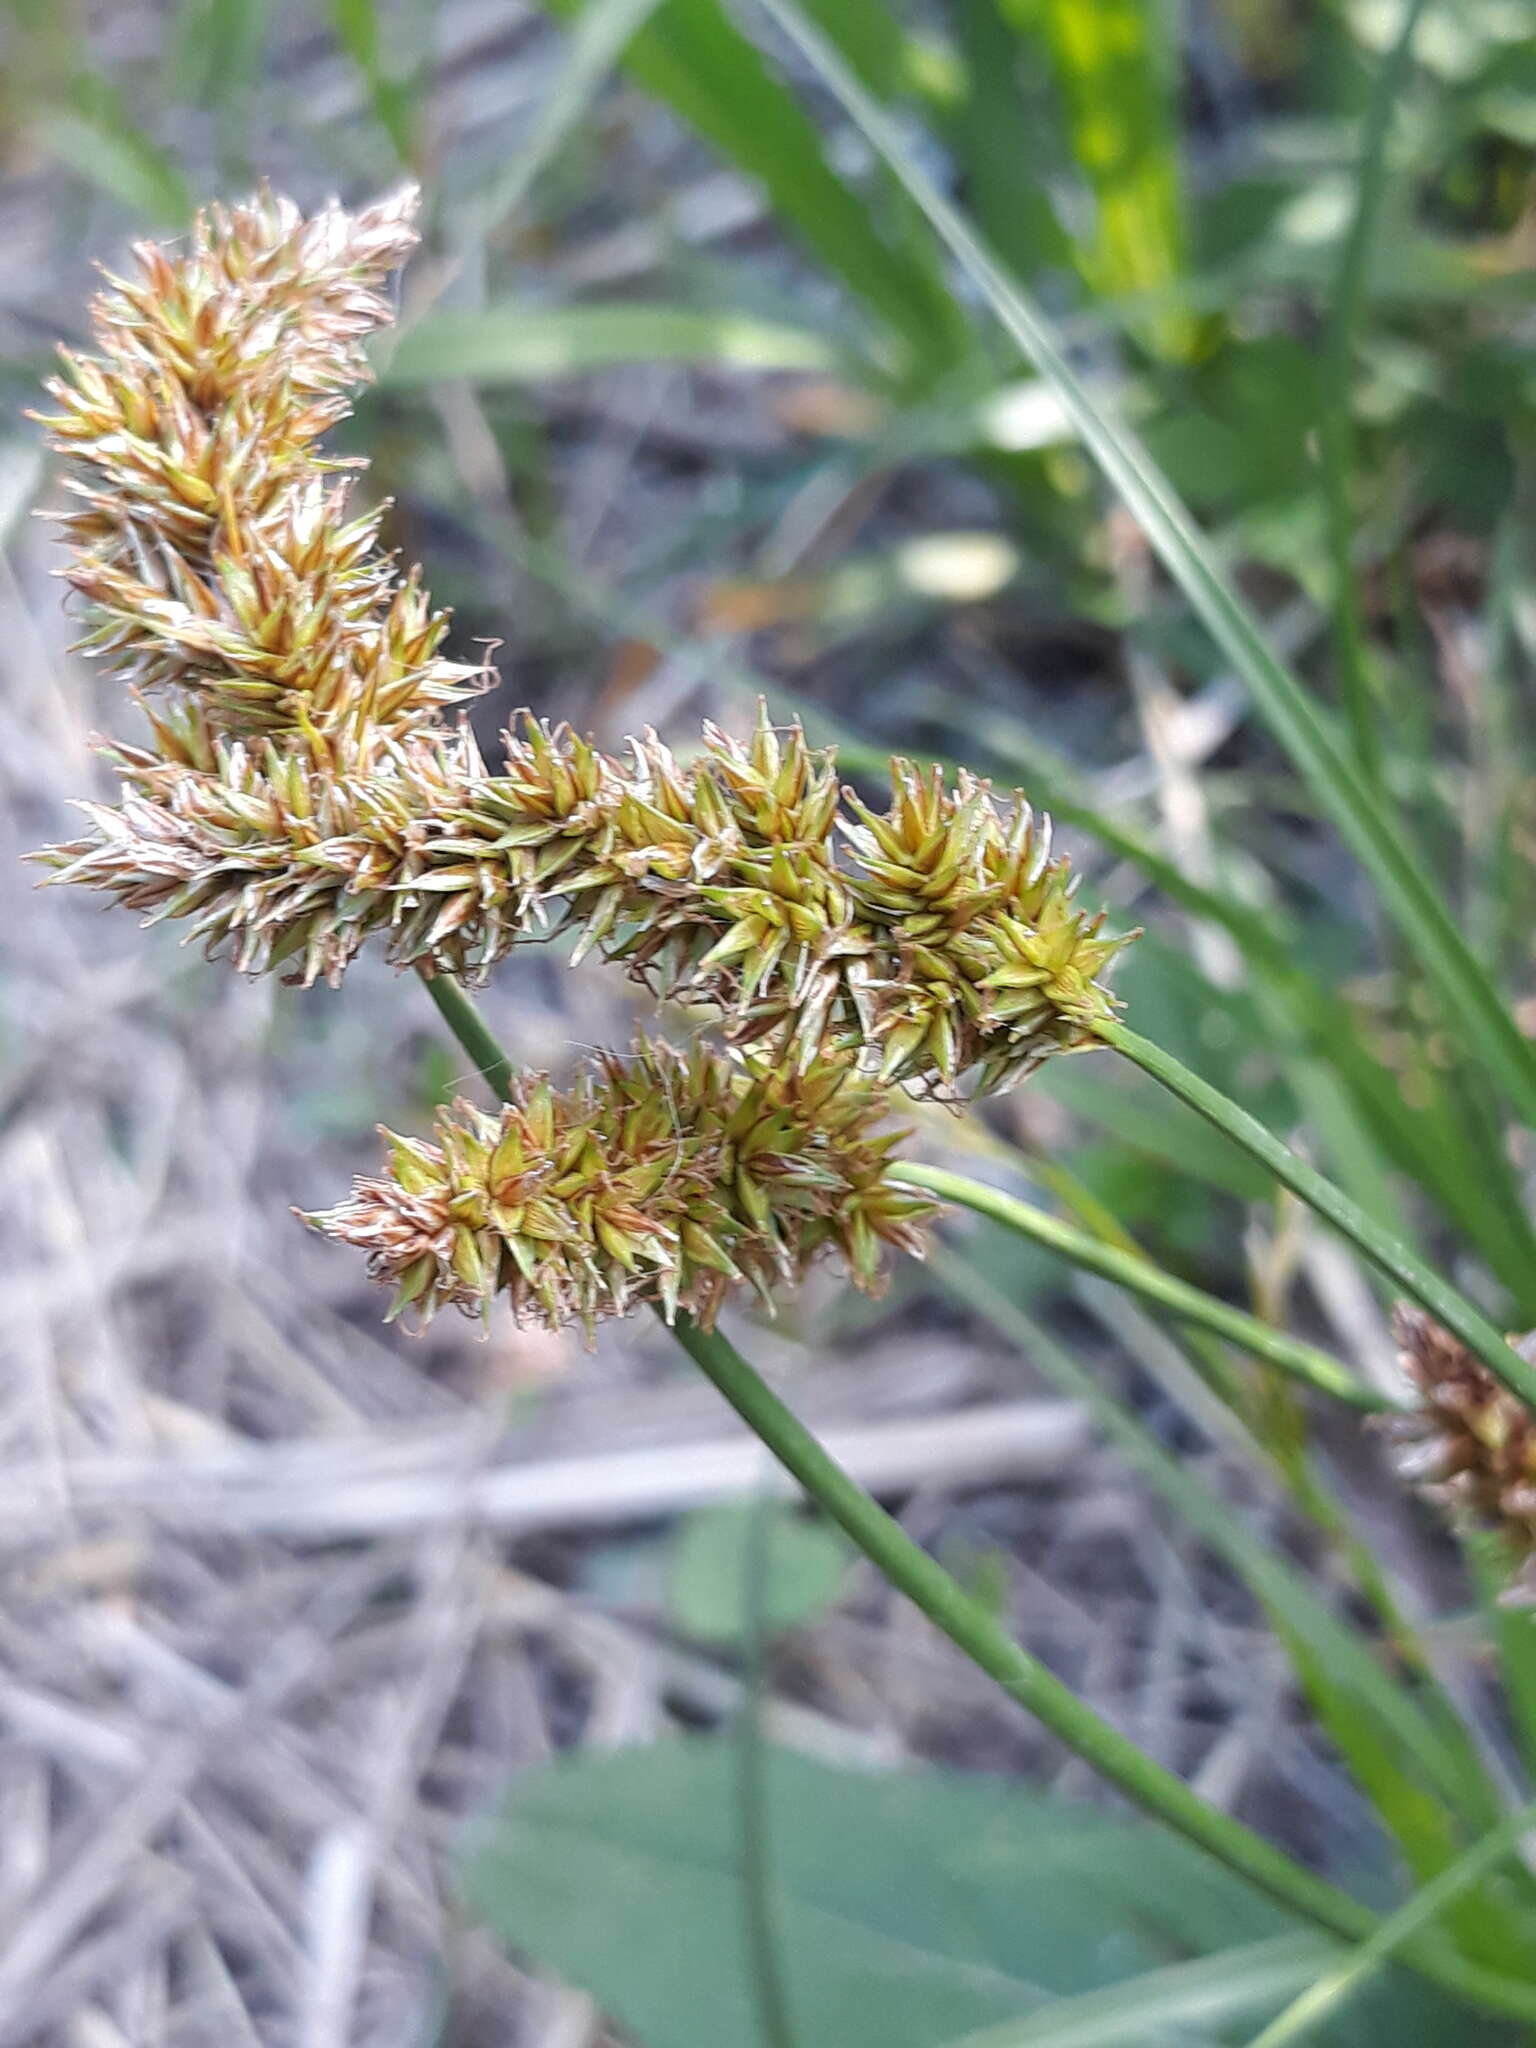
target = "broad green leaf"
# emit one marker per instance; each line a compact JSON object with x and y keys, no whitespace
{"x":911,"y":1908}
{"x":807,"y":1561}
{"x":511,"y":344}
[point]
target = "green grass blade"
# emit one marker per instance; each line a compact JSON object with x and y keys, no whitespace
{"x":1421,"y":1282}
{"x":1511,"y":1626}
{"x":1141,"y":1276}
{"x":356,"y":23}
{"x":1420,"y":1912}
{"x":1001,"y":140}
{"x":1358,"y":684}
{"x":93,"y":133}
{"x":691,"y":55}
{"x":510,"y":343}
{"x":1118,"y":90}
{"x":1469,"y":996}
{"x":1395,"y":1750}
{"x":599,"y":36}
{"x":1211,"y":1990}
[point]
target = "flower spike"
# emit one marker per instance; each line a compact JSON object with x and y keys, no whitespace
{"x":661,"y":1178}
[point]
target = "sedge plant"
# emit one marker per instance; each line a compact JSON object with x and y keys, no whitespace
{"x":308,"y":789}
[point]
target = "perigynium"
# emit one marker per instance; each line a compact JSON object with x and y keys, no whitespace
{"x":302,"y":793}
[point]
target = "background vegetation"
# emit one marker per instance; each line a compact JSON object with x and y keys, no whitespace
{"x":701,"y":392}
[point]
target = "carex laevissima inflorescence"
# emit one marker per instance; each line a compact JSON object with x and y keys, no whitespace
{"x":304,"y":791}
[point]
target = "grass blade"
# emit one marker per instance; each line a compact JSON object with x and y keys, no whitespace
{"x":1377,"y":1725}
{"x":691,"y":55}
{"x":1118,"y":94}
{"x":1130,"y":1270}
{"x":1420,"y":1912}
{"x":1402,"y":1266}
{"x":599,"y":36}
{"x":93,"y":132}
{"x":1464,"y":987}
{"x":1212,"y":1989}
{"x":1358,"y":684}
{"x":510,"y":343}
{"x":356,"y":23}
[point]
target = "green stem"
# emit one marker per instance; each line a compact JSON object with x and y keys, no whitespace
{"x":977,"y":1634}
{"x":763,"y":1946}
{"x":1140,"y":1276}
{"x":1393,"y":1257}
{"x":974,"y":1631}
{"x":469,"y":1028}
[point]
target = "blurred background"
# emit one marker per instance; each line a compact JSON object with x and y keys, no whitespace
{"x":685,"y":408}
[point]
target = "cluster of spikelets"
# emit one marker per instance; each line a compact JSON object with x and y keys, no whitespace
{"x":303,"y":795}
{"x":659,"y":1178}
{"x":932,"y":940}
{"x":1469,"y":1444}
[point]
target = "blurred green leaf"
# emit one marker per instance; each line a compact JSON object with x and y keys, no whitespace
{"x":218,"y":48}
{"x":599,"y":35}
{"x":1116,"y":67}
{"x":94,"y":134}
{"x":807,"y":1561}
{"x":391,"y":95}
{"x":510,"y":343}
{"x":913,"y":1908}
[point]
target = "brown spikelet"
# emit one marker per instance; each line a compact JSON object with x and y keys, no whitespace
{"x":662,"y":1179}
{"x":215,"y":547}
{"x":1470,"y":1444}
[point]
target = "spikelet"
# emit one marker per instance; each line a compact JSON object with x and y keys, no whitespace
{"x":292,"y":857}
{"x":214,"y":546}
{"x":936,"y":940}
{"x":660,"y":1178}
{"x":985,"y":961}
{"x":1470,"y":1444}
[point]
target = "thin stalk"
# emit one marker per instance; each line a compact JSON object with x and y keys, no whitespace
{"x":1411,"y":1918}
{"x":764,"y":1949}
{"x":1358,"y":683}
{"x":978,"y":1635}
{"x":1140,"y":1276}
{"x":1443,"y":1301}
{"x":470,"y":1029}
